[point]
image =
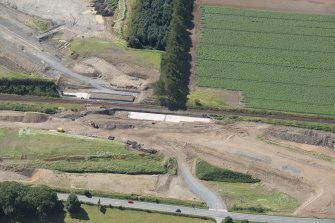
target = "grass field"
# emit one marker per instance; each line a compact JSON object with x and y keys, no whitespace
{"x":12,"y":74}
{"x":38,"y":106}
{"x":39,"y":24}
{"x":206,"y":171}
{"x":280,"y":61}
{"x":92,"y":214}
{"x":70,"y":153}
{"x":100,"y":48}
{"x":206,"y":98}
{"x":253,"y":198}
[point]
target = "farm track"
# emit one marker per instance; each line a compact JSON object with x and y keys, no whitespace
{"x":159,"y":109}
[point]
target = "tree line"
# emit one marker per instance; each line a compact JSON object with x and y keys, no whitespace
{"x":172,"y":88}
{"x":18,"y":201}
{"x":164,"y":24}
{"x":149,"y":24}
{"x":28,"y":86}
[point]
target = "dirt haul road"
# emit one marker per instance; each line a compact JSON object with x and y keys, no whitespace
{"x":77,"y":16}
{"x":16,"y":36}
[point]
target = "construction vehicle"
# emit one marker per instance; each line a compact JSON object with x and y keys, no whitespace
{"x":60,"y":130}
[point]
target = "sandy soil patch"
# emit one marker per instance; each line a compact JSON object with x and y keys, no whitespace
{"x":27,"y":117}
{"x":108,"y":72}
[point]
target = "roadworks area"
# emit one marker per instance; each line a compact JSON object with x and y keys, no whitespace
{"x":305,"y":172}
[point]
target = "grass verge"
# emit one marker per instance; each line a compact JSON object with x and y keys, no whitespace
{"x":92,"y":214}
{"x":72,"y":153}
{"x":205,"y":99}
{"x":206,"y":171}
{"x":17,"y":75}
{"x":94,"y":47}
{"x":253,"y":198}
{"x":39,"y":24}
{"x":38,"y":107}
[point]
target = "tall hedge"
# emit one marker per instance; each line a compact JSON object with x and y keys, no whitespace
{"x":28,"y":86}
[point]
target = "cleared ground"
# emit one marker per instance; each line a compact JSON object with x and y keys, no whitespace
{"x":262,"y":55}
{"x":235,"y":146}
{"x":76,"y":14}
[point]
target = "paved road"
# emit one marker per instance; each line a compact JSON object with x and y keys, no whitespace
{"x":195,"y":211}
{"x":213,"y":201}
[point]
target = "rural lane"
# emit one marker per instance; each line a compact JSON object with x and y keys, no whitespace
{"x":194,"y":211}
{"x":213,"y":200}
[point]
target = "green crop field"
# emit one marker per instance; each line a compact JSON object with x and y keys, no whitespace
{"x":280,"y":61}
{"x":71,"y":153}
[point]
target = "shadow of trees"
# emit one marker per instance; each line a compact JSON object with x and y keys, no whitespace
{"x":80,"y":214}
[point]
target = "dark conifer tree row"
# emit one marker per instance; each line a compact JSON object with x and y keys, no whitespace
{"x":172,"y":88}
{"x":150,"y":23}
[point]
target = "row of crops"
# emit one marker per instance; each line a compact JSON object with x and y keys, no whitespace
{"x":280,"y":61}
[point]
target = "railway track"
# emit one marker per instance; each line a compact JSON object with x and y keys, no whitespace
{"x":125,"y":106}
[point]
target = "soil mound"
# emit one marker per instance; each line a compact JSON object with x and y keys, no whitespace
{"x":110,"y":125}
{"x":27,"y":117}
{"x":34,"y":117}
{"x":310,"y":137}
{"x":11,"y":116}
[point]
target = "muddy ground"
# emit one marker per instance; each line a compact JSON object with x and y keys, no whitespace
{"x":237,"y":146}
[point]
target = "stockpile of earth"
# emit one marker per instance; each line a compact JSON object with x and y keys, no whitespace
{"x":27,"y":117}
{"x":310,"y":137}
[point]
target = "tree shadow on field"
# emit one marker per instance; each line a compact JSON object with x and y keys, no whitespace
{"x":80,"y":214}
